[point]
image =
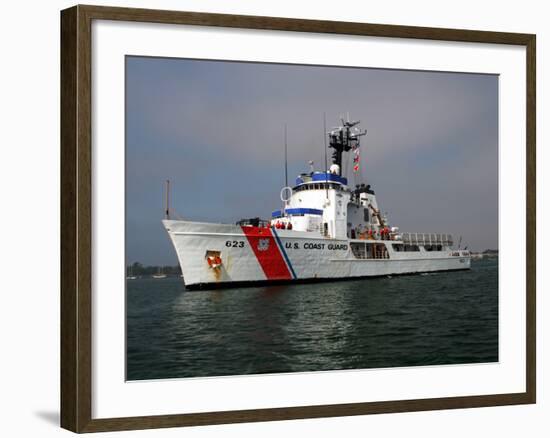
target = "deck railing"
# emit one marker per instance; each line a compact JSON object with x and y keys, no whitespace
{"x":427,"y":239}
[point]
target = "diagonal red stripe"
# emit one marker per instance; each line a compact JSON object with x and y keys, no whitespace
{"x":267,"y":252}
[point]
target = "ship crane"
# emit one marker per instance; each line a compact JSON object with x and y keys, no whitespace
{"x":378,"y":215}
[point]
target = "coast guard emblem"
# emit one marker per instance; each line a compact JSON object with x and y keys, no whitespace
{"x":263,"y":244}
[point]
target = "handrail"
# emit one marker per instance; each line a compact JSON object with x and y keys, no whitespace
{"x":427,"y":239}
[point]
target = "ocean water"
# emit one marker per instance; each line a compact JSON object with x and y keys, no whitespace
{"x":431,"y":319}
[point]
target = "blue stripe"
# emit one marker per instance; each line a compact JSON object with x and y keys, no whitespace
{"x":279,"y":213}
{"x":282,"y":248}
{"x":329,"y":177}
{"x":304,"y":211}
{"x":323,"y":176}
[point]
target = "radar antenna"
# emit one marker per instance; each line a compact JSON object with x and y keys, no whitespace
{"x":343,"y":138}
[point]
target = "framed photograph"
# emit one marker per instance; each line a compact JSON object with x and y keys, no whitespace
{"x":269,"y":218}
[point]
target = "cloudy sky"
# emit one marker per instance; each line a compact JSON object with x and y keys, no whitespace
{"x":216,"y":130}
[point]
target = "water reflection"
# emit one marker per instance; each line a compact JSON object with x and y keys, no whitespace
{"x":402,"y":321}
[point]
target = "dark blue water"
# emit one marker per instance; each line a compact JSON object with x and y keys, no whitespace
{"x":444,"y":318}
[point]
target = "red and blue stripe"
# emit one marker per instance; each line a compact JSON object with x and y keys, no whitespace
{"x":269,"y":252}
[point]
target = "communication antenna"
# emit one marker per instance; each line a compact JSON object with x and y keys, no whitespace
{"x":459,"y":242}
{"x":286,"y":161}
{"x":325,"y":143}
{"x":342,"y":139}
{"x":167,"y":212}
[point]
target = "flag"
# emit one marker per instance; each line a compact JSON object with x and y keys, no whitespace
{"x":356,"y":159}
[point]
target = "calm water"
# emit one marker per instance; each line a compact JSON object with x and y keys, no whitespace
{"x":445,"y":318}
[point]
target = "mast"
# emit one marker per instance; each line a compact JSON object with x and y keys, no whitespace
{"x":342,"y":139}
{"x":286,"y":161}
{"x":167,"y":212}
{"x":325,"y":142}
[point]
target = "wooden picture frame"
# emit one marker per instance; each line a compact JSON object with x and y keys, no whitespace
{"x":76,"y":218}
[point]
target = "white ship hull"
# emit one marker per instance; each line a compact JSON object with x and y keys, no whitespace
{"x":257,"y":255}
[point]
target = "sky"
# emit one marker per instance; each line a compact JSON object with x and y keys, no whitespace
{"x":215,"y":129}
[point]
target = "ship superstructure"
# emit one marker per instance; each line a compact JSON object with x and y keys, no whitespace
{"x":324,"y":230}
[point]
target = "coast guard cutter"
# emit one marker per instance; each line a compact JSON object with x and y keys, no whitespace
{"x":325,"y":230}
